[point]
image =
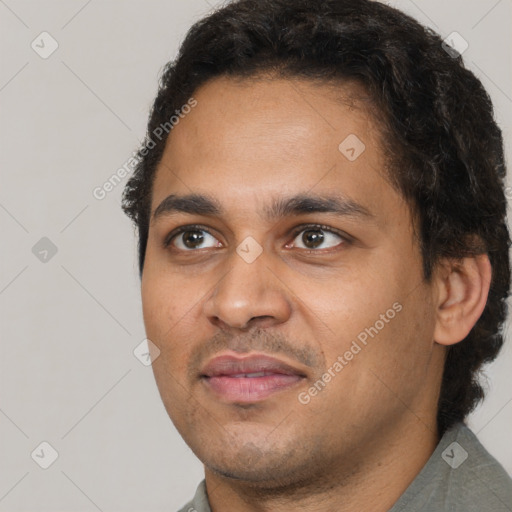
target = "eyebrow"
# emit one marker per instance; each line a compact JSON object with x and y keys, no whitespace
{"x":307,"y":203}
{"x":194,"y":204}
{"x":200,"y":204}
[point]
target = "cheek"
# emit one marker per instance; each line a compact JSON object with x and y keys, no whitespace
{"x":155,"y":307}
{"x":170,"y":310}
{"x":164,"y":328}
{"x":373,"y":308}
{"x":349,"y":302}
{"x":162,"y":314}
{"x":166,"y":299}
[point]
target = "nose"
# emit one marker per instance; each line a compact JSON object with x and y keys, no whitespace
{"x":249,"y":295}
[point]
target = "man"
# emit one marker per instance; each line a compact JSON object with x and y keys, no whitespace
{"x":324,"y":260}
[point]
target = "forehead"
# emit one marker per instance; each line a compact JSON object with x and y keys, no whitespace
{"x":247,"y":139}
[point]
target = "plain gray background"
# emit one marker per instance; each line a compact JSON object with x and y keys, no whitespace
{"x":71,"y":320}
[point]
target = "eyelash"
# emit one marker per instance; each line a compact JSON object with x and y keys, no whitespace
{"x":182,"y":229}
{"x":320,"y":227}
{"x":303,"y":227}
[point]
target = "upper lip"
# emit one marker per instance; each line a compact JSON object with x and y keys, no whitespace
{"x":226,"y":365}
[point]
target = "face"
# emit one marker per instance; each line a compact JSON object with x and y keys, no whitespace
{"x":283,"y":284}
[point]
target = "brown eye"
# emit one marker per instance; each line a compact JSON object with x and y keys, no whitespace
{"x":190,"y":239}
{"x":312,"y":238}
{"x":317,"y":238}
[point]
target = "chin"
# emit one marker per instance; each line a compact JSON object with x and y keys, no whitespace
{"x":270,"y":479}
{"x":268,"y":468}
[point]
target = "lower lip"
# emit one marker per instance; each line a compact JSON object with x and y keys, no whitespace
{"x":250,"y":389}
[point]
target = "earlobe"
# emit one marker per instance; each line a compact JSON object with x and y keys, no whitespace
{"x":463,"y":287}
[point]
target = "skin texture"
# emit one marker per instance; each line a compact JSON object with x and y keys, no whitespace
{"x":360,"y":441}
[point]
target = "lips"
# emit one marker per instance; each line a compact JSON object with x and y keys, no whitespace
{"x":248,"y":379}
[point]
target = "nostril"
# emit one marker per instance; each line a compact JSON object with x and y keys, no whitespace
{"x":255,"y":321}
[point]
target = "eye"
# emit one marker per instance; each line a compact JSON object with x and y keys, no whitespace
{"x":316,"y":237}
{"x":189,"y":238}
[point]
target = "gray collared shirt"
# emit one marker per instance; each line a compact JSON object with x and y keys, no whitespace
{"x":460,"y":476}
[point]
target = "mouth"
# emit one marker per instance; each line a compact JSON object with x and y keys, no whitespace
{"x":249,"y":379}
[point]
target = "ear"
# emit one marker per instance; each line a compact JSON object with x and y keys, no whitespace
{"x":463,"y":287}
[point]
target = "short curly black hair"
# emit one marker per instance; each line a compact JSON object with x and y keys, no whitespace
{"x":448,"y":161}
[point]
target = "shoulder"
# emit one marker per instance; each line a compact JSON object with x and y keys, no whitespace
{"x":477,"y":479}
{"x":200,"y":501}
{"x":460,"y":476}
